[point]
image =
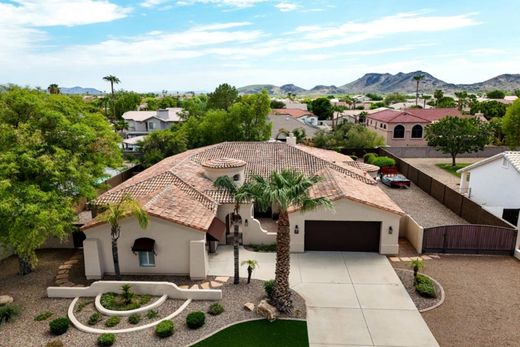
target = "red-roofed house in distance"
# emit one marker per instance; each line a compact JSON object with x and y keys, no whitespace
{"x":403,"y":128}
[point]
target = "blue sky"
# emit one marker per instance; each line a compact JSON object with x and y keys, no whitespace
{"x":153,"y":45}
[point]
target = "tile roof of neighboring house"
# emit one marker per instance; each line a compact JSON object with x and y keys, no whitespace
{"x":293,"y":112}
{"x":289,"y":123}
{"x":223,"y":163}
{"x":513,"y":157}
{"x":414,"y":115}
{"x":177,"y":190}
{"x":170,"y":114}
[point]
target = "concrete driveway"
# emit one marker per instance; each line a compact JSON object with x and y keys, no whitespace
{"x":352,"y":298}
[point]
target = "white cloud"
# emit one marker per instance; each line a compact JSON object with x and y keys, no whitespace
{"x":229,"y":3}
{"x":486,"y":51}
{"x":220,"y":26}
{"x":286,"y":6}
{"x":152,"y":3}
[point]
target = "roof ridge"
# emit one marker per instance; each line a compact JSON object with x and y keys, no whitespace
{"x":192,"y":192}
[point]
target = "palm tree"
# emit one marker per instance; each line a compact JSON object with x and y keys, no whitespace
{"x":53,"y":88}
{"x":462,"y":99}
{"x":285,"y":189}
{"x":251,"y":265}
{"x":417,"y":79}
{"x":416,"y":265}
{"x":114,"y":213}
{"x":113,"y":80}
{"x":226,"y":183}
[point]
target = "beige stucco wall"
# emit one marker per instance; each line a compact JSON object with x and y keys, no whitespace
{"x":172,"y":246}
{"x":347,"y":210}
{"x":388,"y":134}
{"x":412,"y":231}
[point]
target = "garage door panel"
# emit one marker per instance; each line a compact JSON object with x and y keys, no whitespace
{"x":355,"y":236}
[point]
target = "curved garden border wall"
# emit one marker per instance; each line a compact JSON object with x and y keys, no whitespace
{"x":101,"y":309}
{"x":139,"y":287}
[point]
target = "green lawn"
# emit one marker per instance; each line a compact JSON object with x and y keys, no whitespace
{"x":452,"y":169}
{"x":260,"y":333}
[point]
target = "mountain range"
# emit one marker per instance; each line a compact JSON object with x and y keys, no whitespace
{"x":388,"y":83}
{"x":80,"y":91}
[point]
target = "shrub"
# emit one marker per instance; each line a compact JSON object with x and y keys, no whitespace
{"x":127,"y":293}
{"x":369,"y":157}
{"x":134,"y":319}
{"x":425,"y":287}
{"x":94,"y":318}
{"x":59,"y":326}
{"x":8,"y":312}
{"x":152,"y":314}
{"x":43,"y":316}
{"x":215,"y":309}
{"x":106,"y":339}
{"x":112,"y":321}
{"x":82,"y":305}
{"x":164,"y":329}
{"x":107,"y":300}
{"x":383,"y":161}
{"x":195,"y":319}
{"x":269,"y":287}
{"x":54,"y":343}
{"x":143,"y":300}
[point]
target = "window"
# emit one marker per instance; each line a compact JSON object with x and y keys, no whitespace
{"x":236,"y":177}
{"x":384,"y":126}
{"x":151,"y":125}
{"x":399,"y":132}
{"x":146,"y":259}
{"x":417,"y":132}
{"x":511,"y":215}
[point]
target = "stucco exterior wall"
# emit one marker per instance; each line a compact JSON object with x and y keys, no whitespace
{"x":388,"y":133}
{"x":172,"y":246}
{"x":347,"y":210}
{"x":412,"y":231}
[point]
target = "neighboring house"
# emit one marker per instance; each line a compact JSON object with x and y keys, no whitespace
{"x":131,"y":144}
{"x":303,"y":116}
{"x":143,"y":122}
{"x":494,"y":183}
{"x":352,"y":116}
{"x":288,"y":123}
{"x":189,"y":216}
{"x":402,"y":128}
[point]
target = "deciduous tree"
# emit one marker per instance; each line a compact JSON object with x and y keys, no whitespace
{"x":223,"y":97}
{"x":511,"y":125}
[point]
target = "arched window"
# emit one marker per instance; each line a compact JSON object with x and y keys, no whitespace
{"x":236,"y":177}
{"x":417,"y":132}
{"x":399,"y":132}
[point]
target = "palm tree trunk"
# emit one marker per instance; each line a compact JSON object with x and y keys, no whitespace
{"x":417,"y":94}
{"x":249,"y":273}
{"x":235,"y":251}
{"x":282,"y":294}
{"x":116,"y":259}
{"x":24,"y":266}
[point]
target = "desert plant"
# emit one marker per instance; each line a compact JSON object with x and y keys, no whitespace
{"x":107,"y":300}
{"x":112,"y":321}
{"x":43,"y":316}
{"x":195,"y":319}
{"x":82,"y":305}
{"x":215,"y":309}
{"x":134,"y":318}
{"x":416,"y":265}
{"x":127,"y":293}
{"x":164,"y":329}
{"x":106,"y":339}
{"x":424,"y":286}
{"x":251,"y":265}
{"x":94,"y":318}
{"x":269,"y":287}
{"x":8,"y":312}
{"x":144,"y":299}
{"x":152,"y":314}
{"x":59,"y":326}
{"x":369,"y":157}
{"x":54,"y":343}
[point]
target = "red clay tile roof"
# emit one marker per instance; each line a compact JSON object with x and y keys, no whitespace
{"x":223,"y":163}
{"x":414,"y":115}
{"x":293,"y":112}
{"x":177,"y":190}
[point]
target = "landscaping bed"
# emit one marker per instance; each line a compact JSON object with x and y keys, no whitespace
{"x":422,"y":303}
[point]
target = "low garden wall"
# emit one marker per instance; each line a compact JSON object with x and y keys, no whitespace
{"x":412,"y":231}
{"x":139,"y":287}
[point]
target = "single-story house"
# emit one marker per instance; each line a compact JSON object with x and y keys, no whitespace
{"x":494,"y":184}
{"x":189,"y":217}
{"x":402,"y":128}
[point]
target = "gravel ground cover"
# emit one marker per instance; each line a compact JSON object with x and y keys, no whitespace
{"x":482,"y":300}
{"x":422,"y":303}
{"x":426,"y":211}
{"x":30,"y":294}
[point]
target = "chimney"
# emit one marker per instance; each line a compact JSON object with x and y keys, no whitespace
{"x":291,"y":140}
{"x":162,"y":113}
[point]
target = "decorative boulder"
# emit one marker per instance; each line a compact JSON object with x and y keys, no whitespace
{"x":5,"y":299}
{"x":266,"y":310}
{"x":249,"y":306}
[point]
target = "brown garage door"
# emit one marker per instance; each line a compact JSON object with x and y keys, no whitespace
{"x":342,"y":236}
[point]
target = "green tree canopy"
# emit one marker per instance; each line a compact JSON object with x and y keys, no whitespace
{"x":455,"y":135}
{"x":348,"y":135}
{"x":445,"y":102}
{"x":126,"y":101}
{"x":322,"y":108}
{"x":393,"y":98}
{"x":223,"y":97}
{"x":490,"y":109}
{"x":374,"y":97}
{"x":496,"y":94}
{"x":53,"y":151}
{"x":161,"y":144}
{"x":277,"y":104}
{"x":511,"y":125}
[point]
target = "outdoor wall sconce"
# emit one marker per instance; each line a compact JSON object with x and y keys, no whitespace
{"x":296,"y":230}
{"x":246,"y":223}
{"x":390,"y":230}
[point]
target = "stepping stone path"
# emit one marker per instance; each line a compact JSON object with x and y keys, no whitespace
{"x":422,"y":257}
{"x":62,"y":278}
{"x":5,"y":299}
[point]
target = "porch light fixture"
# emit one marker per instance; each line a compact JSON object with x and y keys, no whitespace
{"x":390,"y":230}
{"x":246,"y":223}
{"x":296,"y":230}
